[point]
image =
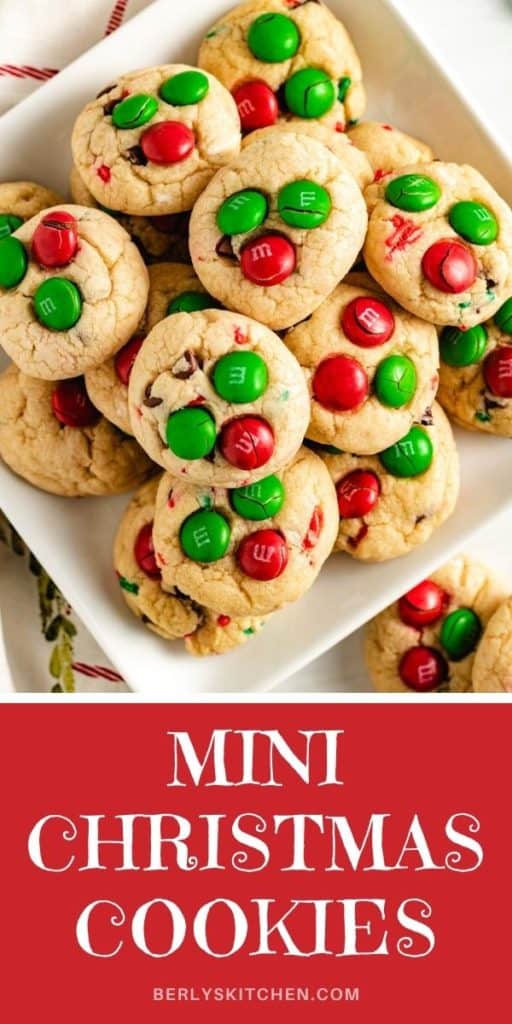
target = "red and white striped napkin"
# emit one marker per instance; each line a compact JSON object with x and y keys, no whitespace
{"x":43,"y":645}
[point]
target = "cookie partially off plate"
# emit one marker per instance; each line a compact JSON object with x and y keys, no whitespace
{"x":73,"y":539}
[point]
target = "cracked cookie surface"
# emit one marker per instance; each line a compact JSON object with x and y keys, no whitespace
{"x":440,"y":242}
{"x":387,"y":148}
{"x":313,"y":38}
{"x":279,"y":264}
{"x":246,"y":435}
{"x":165,"y":610}
{"x":383,"y":516}
{"x":492,"y":672}
{"x":273,"y":547}
{"x":371,"y":368}
{"x":107,"y":384}
{"x":438,"y":653}
{"x":105,"y":279}
{"x":157,"y":157}
{"x":72,"y":461}
{"x":350,"y":157}
{"x":23,"y":199}
{"x":157,"y":238}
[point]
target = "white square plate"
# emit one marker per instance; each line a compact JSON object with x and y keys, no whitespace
{"x":73,"y":538}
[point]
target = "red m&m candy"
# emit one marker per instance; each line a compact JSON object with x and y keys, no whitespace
{"x":498,"y":371}
{"x":340,"y":383}
{"x":263,"y":555}
{"x":71,"y":404}
{"x":247,"y":442}
{"x":55,"y":240}
{"x":268,"y":260}
{"x":423,"y":605}
{"x":167,"y":142}
{"x":358,"y":493}
{"x":125,"y":359}
{"x":450,"y":266}
{"x":368,"y":322}
{"x":423,"y":669}
{"x":144,"y":552}
{"x":257,"y":105}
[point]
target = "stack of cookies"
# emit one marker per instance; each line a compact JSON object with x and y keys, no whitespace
{"x":242,"y":312}
{"x":451,"y":633}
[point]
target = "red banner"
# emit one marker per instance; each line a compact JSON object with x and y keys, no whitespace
{"x":221,"y":863}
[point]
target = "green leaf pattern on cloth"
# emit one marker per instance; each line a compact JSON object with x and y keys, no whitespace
{"x":54,"y":611}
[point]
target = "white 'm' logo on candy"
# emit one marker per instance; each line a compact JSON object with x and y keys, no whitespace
{"x":426,"y":674}
{"x":246,"y":443}
{"x":201,"y":536}
{"x":261,"y":252}
{"x":262,"y":553}
{"x":306,"y":198}
{"x":253,"y":491}
{"x":369,"y":317}
{"x":237,"y":374}
{"x":246,"y":107}
{"x":349,"y":490}
{"x":505,"y":370}
{"x":237,"y":201}
{"x":48,"y":306}
{"x":406,"y":448}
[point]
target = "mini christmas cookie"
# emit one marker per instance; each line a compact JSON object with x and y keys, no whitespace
{"x":21,"y":200}
{"x":217,"y":398}
{"x":172,"y":287}
{"x":440,"y":242}
{"x":274,"y":232}
{"x":162,"y":608}
{"x":393,"y":502}
{"x":492,"y":671}
{"x":157,"y":238}
{"x":73,"y":288}
{"x":387,"y":148}
{"x":149,"y":144}
{"x":428,"y":640}
{"x":371,"y":368}
{"x":476,"y":374}
{"x":350,"y":157}
{"x":250,"y":550}
{"x":52,"y":436}
{"x":282,"y":57}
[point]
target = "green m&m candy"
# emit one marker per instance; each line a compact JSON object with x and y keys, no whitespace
{"x":474,"y":222}
{"x":309,"y":93}
{"x":463,"y":348}
{"x":134,"y":111}
{"x":191,"y":302}
{"x":185,"y":88}
{"x":58,"y":303}
{"x":503,"y":318}
{"x":13,"y":262}
{"x":243,"y":211}
{"x":460,"y":633}
{"x":191,"y":433}
{"x":304,"y":204}
{"x":273,"y":38}
{"x":413,"y":192}
{"x":262,"y":500}
{"x":205,"y":536}
{"x":343,"y":87}
{"x":8,"y":224}
{"x":411,"y":456}
{"x":395,"y":381}
{"x":240,"y":377}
